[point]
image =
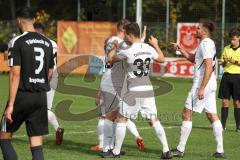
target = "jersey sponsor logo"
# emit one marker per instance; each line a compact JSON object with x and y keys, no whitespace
{"x":36,"y":80}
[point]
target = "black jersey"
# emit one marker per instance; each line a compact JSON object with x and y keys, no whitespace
{"x":34,"y":54}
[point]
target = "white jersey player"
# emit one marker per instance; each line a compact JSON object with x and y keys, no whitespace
{"x":109,"y":96}
{"x":50,"y":94}
{"x":139,"y":96}
{"x":202,"y":94}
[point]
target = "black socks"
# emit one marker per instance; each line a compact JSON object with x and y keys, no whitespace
{"x":7,"y":150}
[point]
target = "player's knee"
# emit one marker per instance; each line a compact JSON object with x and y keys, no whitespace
{"x":225,"y":102}
{"x":236,"y":103}
{"x":152,"y":121}
{"x":212,"y":117}
{"x":4,"y":136}
{"x":186,"y":114}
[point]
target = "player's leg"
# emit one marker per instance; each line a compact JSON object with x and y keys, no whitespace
{"x":7,"y":129}
{"x":53,"y":119}
{"x":225,"y":92}
{"x":133,"y":130}
{"x":211,"y":112}
{"x":108,"y":137}
{"x":224,"y":112}
{"x":100,"y":126}
{"x":236,"y":100}
{"x":37,"y":123}
{"x":36,"y":146}
{"x":100,"y":132}
{"x":217,"y":132}
{"x":149,"y":111}
{"x":186,"y":129}
{"x":7,"y":148}
{"x":120,"y":133}
{"x":236,"y":104}
{"x":125,"y":112}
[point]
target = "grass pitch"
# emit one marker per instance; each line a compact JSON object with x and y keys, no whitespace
{"x":80,"y":135}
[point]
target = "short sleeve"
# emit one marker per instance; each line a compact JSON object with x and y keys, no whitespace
{"x":208,"y":49}
{"x":14,"y":54}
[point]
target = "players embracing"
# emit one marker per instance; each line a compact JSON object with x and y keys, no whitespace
{"x":138,"y":96}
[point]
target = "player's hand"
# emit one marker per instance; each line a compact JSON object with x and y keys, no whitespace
{"x":178,"y":47}
{"x":8,"y":113}
{"x":115,"y":45}
{"x":153,"y":41}
{"x":201,"y":93}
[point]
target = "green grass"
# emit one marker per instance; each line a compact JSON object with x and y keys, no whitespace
{"x":80,"y":135}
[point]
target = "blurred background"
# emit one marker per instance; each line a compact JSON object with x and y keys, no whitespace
{"x":65,"y":20}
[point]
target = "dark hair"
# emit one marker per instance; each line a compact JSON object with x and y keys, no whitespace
{"x":133,"y":29}
{"x":234,"y":32}
{"x":38,"y":26}
{"x":25,"y":12}
{"x":209,"y":25}
{"x":121,"y":24}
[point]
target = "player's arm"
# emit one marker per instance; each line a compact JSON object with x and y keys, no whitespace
{"x":113,"y":56}
{"x":14,"y":79}
{"x":144,"y":33}
{"x":189,"y":56}
{"x":154,"y":42}
{"x":207,"y":75}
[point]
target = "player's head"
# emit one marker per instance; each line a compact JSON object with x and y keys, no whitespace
{"x":132,"y":32}
{"x":38,"y":27}
{"x":205,"y":28}
{"x":25,"y":17}
{"x":120,"y":27}
{"x":234,"y":36}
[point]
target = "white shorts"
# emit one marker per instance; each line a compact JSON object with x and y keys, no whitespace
{"x":50,"y":97}
{"x":109,"y":101}
{"x":208,"y":104}
{"x":146,"y":106}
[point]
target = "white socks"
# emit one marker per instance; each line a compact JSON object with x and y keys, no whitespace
{"x":161,"y":135}
{"x":217,"y":132}
{"x":108,"y":134}
{"x":132,"y":128}
{"x":100,"y":132}
{"x":53,"y":120}
{"x":185,"y":132}
{"x":120,"y":135}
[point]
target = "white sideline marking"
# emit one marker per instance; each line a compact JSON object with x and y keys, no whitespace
{"x":87,"y":132}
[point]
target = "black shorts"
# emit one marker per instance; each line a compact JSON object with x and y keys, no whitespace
{"x":31,"y":108}
{"x":230,"y":86}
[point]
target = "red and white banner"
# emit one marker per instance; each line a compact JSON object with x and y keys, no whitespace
{"x":187,"y":36}
{"x":173,"y":67}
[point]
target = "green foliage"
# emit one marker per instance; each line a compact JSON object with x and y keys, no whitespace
{"x":6,"y":31}
{"x":50,"y":25}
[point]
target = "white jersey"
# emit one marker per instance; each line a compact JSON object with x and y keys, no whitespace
{"x":139,"y":57}
{"x":113,"y":76}
{"x":205,"y":50}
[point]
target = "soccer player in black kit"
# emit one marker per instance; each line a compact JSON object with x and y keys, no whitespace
{"x":31,"y":62}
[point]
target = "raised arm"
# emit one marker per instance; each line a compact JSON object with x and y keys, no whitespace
{"x":154,"y":42}
{"x":189,"y":56}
